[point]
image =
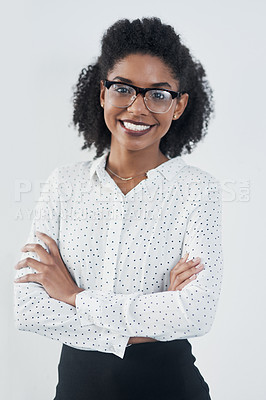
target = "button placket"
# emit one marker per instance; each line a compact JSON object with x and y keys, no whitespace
{"x":115,"y":224}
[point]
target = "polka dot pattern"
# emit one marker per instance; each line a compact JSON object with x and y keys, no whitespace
{"x":121,"y":249}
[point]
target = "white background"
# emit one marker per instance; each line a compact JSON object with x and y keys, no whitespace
{"x":44,"y":45}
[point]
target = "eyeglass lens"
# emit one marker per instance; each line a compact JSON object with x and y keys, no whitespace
{"x":156,"y":100}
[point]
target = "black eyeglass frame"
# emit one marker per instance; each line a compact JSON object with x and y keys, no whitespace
{"x":142,"y":91}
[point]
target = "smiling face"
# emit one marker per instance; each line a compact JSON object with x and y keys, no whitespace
{"x":135,"y":127}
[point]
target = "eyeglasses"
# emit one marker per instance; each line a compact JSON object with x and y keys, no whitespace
{"x":122,"y":95}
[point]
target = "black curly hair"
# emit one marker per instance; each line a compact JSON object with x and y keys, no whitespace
{"x":145,"y":36}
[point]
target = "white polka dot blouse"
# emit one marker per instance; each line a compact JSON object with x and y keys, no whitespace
{"x":120,"y":249}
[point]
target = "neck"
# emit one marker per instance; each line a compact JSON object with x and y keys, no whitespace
{"x":132,"y":163}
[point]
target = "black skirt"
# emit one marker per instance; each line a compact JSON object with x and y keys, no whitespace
{"x":148,"y":371}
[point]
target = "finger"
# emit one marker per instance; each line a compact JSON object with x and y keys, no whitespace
{"x":186,"y":282}
{"x":182,"y":260}
{"x":181,"y":277}
{"x":50,"y":242}
{"x":30,"y":262}
{"x":29,"y":278}
{"x":39,"y":249}
{"x":185,"y":266}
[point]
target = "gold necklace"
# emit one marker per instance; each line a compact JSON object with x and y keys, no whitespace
{"x":126,"y":179}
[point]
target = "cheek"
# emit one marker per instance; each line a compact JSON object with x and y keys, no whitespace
{"x":107,"y":120}
{"x":166,"y":122}
{"x":110,"y":117}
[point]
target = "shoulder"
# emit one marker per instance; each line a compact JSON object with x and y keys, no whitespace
{"x":74,"y":169}
{"x":67,"y":179}
{"x":196,"y":174}
{"x":71,"y":172}
{"x":197,"y":183}
{"x":177,"y":169}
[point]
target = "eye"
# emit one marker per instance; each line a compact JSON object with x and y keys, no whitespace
{"x":122,"y":89}
{"x":158,"y":95}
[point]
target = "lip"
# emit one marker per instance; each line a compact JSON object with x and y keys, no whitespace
{"x":134,"y":133}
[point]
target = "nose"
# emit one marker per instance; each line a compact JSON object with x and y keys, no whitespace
{"x":138,"y":106}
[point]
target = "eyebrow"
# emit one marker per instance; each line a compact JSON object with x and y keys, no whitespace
{"x":155,"y":85}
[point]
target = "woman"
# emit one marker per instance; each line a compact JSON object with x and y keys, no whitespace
{"x":127,"y":263}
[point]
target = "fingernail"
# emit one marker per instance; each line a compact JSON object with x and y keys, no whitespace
{"x":196,"y":259}
{"x":199,"y":266}
{"x":185,"y":255}
{"x":193,"y":277}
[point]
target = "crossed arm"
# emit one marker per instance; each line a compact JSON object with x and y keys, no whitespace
{"x":49,"y":302}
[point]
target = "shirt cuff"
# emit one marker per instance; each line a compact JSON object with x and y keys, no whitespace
{"x":89,"y":306}
{"x":85,"y":307}
{"x":89,"y":309}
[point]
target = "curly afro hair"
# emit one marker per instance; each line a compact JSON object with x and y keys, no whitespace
{"x":145,"y":36}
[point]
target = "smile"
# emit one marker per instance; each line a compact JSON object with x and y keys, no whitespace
{"x":135,"y":128}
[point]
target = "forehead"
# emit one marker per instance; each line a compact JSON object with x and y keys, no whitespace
{"x":143,"y":70}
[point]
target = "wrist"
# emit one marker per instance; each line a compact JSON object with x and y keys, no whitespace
{"x":72,"y":299}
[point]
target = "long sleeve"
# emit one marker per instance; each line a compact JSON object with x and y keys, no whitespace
{"x":169,"y":315}
{"x":35,"y":310}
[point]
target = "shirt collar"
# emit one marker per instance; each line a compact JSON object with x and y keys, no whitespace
{"x":98,"y":164}
{"x":168,"y":169}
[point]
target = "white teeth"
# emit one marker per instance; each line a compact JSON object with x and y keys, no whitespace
{"x":134,"y":127}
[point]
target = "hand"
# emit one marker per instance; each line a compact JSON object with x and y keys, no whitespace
{"x":184,"y":272}
{"x":52,"y":272}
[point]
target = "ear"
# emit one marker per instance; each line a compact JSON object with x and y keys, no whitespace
{"x":102,"y":93}
{"x":180,"y":106}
